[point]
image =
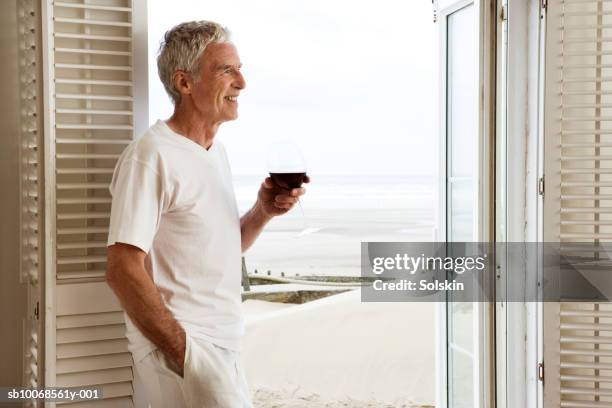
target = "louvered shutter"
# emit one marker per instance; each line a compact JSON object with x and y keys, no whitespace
{"x":91,"y":348}
{"x":578,"y":197}
{"x":31,"y":182}
{"x":89,"y":99}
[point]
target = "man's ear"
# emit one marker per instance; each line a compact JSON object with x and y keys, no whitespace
{"x":182,"y":82}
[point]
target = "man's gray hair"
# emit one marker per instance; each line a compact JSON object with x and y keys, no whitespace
{"x":182,"y":48}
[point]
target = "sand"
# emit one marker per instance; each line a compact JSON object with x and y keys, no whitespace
{"x":340,"y":352}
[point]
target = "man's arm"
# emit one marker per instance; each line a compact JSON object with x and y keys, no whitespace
{"x":128,"y":278}
{"x":271,"y":201}
{"x":251,"y":225}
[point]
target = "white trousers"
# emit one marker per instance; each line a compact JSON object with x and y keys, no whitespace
{"x":213,"y":378}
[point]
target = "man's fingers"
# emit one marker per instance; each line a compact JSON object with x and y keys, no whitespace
{"x":278,"y":199}
{"x":284,"y":199}
{"x":283,"y":206}
{"x":267,"y":184}
{"x":296,"y":192}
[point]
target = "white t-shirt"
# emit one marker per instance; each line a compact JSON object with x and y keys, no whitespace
{"x":174,"y":199}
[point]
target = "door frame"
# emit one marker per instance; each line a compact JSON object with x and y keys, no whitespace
{"x":485,"y":10}
{"x":519,"y":204}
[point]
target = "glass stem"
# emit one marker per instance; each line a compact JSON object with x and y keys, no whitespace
{"x":304,"y":220}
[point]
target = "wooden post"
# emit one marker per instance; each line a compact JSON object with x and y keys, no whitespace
{"x":245,"y":277}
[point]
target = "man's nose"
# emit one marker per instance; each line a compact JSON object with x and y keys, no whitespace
{"x":239,"y":83}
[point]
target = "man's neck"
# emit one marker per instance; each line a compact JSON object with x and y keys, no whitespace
{"x":187,"y":123}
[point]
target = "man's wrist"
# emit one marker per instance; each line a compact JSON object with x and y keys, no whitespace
{"x":259,"y":214}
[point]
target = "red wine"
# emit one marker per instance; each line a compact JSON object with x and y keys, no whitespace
{"x":288,"y":180}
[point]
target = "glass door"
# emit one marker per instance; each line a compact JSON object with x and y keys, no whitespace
{"x":461,"y":197}
{"x":461,"y":213}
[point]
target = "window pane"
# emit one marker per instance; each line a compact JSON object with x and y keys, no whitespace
{"x":462,"y":93}
{"x":461,"y":380}
{"x":461,"y":211}
{"x":461,"y":325}
{"x":462,"y":151}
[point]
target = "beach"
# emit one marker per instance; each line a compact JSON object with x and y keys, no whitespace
{"x":344,"y":211}
{"x":339,"y":351}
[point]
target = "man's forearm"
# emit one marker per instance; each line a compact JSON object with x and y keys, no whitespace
{"x":143,"y":304}
{"x":251,"y":225}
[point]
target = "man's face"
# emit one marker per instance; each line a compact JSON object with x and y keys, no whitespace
{"x":215,"y":93}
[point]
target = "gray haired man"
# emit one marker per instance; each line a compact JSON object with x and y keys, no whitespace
{"x":176,"y":238}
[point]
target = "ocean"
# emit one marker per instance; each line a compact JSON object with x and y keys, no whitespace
{"x":343,"y":211}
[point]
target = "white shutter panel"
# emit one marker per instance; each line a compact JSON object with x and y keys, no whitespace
{"x":578,"y":197}
{"x":89,"y":99}
{"x":91,"y":348}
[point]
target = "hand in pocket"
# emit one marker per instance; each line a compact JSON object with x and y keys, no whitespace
{"x":175,"y":366}
{"x":176,"y":362}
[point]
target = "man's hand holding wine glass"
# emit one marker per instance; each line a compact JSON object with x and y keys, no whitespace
{"x":276,"y":200}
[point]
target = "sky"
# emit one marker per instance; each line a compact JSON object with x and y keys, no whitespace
{"x":351,"y":82}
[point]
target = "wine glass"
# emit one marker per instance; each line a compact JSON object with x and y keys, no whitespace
{"x":287,"y":169}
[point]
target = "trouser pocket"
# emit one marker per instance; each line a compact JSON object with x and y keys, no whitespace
{"x":163,"y":386}
{"x":165,"y":367}
{"x":210,"y":378}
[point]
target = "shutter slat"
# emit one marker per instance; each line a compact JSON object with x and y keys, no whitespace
{"x":586,"y":236}
{"x":85,"y":170}
{"x":91,"y":6}
{"x":82,"y":186}
{"x":91,"y":141}
{"x":87,"y":156}
{"x":586,"y":378}
{"x":586,"y":326}
{"x":92,"y":273}
{"x":94,"y":333}
{"x":585,"y":313}
{"x":584,"y":404}
{"x":126,"y":68}
{"x":92,"y":348}
{"x":80,"y":259}
{"x":86,"y":21}
{"x":586,"y":391}
{"x":92,"y":363}
{"x":587,"y":223}
{"x":86,"y":230}
{"x":93,"y":37}
{"x":91,"y":319}
{"x":95,"y":97}
{"x":92,"y":51}
{"x":593,"y":366}
{"x":92,"y":127}
{"x":72,"y":201}
{"x":105,"y":403}
{"x":587,"y":339}
{"x":82,"y":245}
{"x":83,"y":216}
{"x":88,"y":378}
{"x":589,"y":353}
{"x":96,"y":111}
{"x":93,"y":82}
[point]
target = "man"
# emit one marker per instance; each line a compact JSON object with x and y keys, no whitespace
{"x":176,"y":239}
